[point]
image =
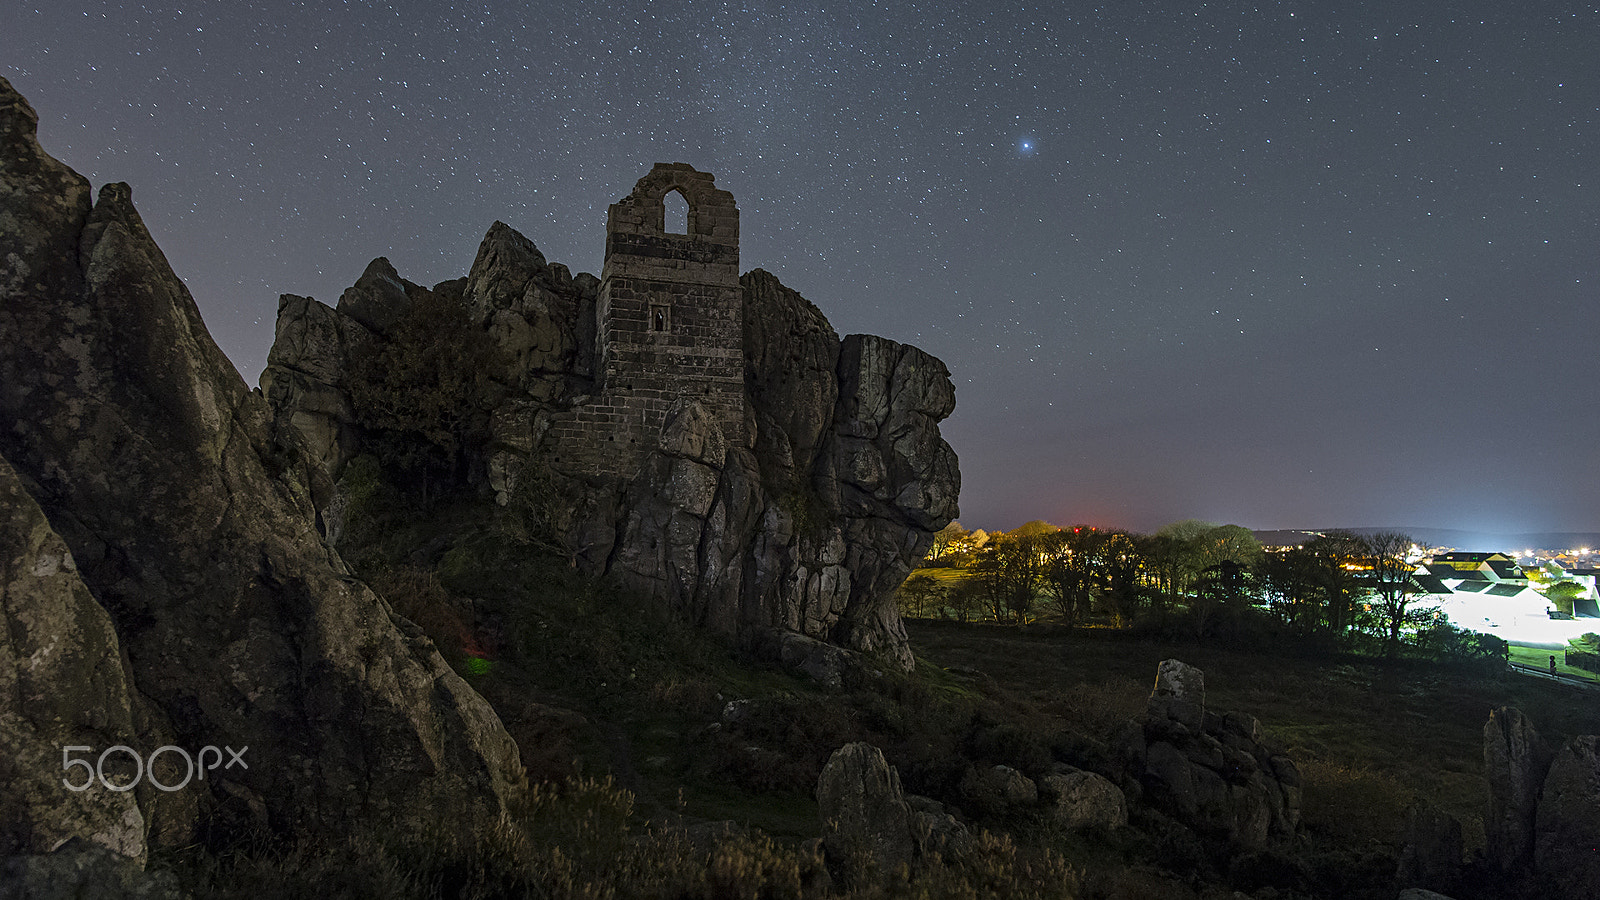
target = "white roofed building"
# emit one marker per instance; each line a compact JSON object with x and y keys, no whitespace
{"x":1489,"y":593}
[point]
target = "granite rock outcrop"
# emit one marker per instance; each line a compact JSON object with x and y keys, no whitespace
{"x":1567,"y":830}
{"x":783,"y":498}
{"x":1540,"y":820}
{"x":871,"y":827}
{"x":1515,"y":762}
{"x":168,"y":567}
{"x":1215,"y":773}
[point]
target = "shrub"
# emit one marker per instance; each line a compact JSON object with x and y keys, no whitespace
{"x":1583,"y":659}
{"x":1446,"y":643}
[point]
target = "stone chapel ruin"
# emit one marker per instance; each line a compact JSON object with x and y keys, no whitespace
{"x":714,"y":442}
{"x":670,"y":323}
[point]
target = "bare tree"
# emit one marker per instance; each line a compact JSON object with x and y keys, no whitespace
{"x":1388,"y":581}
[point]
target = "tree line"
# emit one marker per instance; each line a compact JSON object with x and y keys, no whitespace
{"x":1338,"y":590}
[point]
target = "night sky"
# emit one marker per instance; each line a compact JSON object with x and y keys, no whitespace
{"x":1278,"y":264}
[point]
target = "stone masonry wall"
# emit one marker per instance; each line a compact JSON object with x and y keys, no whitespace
{"x":670,"y":324}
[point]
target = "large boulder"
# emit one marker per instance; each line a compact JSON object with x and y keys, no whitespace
{"x":1080,"y":800}
{"x":190,"y":521}
{"x":1515,"y":761}
{"x":1567,"y":825}
{"x":866,"y":820}
{"x":871,"y":828}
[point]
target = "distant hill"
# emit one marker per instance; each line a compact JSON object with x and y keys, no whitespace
{"x":1470,"y":541}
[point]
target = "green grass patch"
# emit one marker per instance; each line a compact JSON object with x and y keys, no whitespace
{"x":1539,"y":658}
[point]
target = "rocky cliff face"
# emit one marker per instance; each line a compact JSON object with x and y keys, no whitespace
{"x":165,"y":583}
{"x":790,"y":531}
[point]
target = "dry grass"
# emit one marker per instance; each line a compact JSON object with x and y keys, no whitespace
{"x":1369,"y":737}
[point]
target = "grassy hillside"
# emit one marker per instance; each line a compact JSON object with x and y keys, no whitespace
{"x":665,"y":762}
{"x":1370,"y":737}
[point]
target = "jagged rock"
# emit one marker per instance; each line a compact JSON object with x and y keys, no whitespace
{"x":1420,"y":894}
{"x":379,"y":298}
{"x":1431,"y":849}
{"x":1211,"y":772}
{"x":1179,"y":694}
{"x":791,"y":363}
{"x":1084,"y":800}
{"x":1515,"y":760}
{"x":866,"y":819}
{"x":870,"y":827}
{"x":1567,"y":837}
{"x":506,"y":263}
{"x":62,"y":684}
{"x":305,"y":375}
{"x":191,"y":522}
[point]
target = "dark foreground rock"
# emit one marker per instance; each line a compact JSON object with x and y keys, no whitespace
{"x":169,"y":570}
{"x":1515,"y":761}
{"x":1567,"y":824}
{"x":1541,"y":820}
{"x":871,"y":828}
{"x":1431,"y":848}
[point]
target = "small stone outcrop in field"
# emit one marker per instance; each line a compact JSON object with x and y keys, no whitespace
{"x":871,"y":827}
{"x":1214,"y":773}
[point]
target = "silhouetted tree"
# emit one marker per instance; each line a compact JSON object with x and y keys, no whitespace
{"x":1068,"y":561}
{"x":1225,"y":590}
{"x":1120,"y":567}
{"x":1334,"y":558}
{"x":919,"y":593}
{"x":946,"y":544}
{"x":1290,"y":583}
{"x":1388,"y":581}
{"x":1007,"y":571}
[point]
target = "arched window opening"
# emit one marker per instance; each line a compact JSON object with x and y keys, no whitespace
{"x":677,"y":218}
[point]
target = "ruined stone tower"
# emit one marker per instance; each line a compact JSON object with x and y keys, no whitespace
{"x":669,"y":323}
